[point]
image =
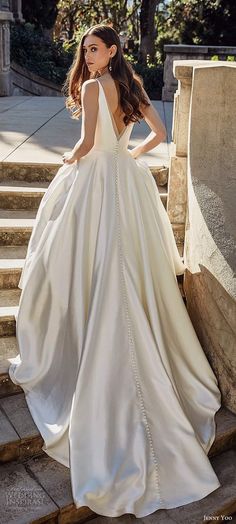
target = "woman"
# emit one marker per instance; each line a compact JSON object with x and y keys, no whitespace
{"x":114,"y":374}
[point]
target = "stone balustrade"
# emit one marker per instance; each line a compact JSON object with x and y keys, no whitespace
{"x":201,"y":206}
{"x":175,"y":52}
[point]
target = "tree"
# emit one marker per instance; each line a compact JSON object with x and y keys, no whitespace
{"x":69,"y":13}
{"x":120,"y":13}
{"x":147,"y":29}
{"x":41,"y":13}
{"x":209,"y":22}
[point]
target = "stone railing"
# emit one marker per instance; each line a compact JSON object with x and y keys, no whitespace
{"x":188,"y":52}
{"x":6,"y":17}
{"x":24,"y":82}
{"x":201,"y":206}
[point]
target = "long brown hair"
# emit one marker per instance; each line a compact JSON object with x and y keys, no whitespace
{"x":130,"y":84}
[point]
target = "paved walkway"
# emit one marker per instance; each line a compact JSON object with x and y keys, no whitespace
{"x":39,"y":130}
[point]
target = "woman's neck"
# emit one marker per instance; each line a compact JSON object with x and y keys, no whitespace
{"x":104,"y":71}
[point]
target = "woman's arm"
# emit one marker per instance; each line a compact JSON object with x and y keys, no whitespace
{"x":89,"y":100}
{"x":158,"y":133}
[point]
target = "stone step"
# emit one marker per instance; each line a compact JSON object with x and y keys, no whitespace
{"x":181,"y":249}
{"x":28,"y":172}
{"x":45,"y":172}
{"x":10,"y":271}
{"x":17,"y":215}
{"x":164,"y":197}
{"x":16,"y":226}
{"x":9,"y":300}
{"x":12,"y":260}
{"x":179,"y":233}
{"x":160,"y":174}
{"x":19,"y":437}
{"x":20,"y":197}
{"x":11,"y":263}
{"x":43,"y":487}
{"x":220,"y":503}
{"x":24,"y":185}
{"x":12,"y":183}
{"x":8,"y":350}
{"x":26,"y":198}
{"x":37,"y":490}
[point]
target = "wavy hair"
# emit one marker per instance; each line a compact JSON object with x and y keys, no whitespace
{"x":130,"y":84}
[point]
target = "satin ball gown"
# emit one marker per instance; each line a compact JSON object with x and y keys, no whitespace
{"x":113,"y":372}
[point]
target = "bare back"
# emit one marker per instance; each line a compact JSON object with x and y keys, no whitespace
{"x":111,"y":91}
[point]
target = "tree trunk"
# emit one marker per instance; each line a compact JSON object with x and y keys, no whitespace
{"x":147,"y":30}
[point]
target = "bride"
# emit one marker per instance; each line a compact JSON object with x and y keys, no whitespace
{"x":113,"y":372}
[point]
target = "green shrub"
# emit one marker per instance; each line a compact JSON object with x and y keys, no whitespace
{"x":229,"y":58}
{"x":152,"y":75}
{"x":46,"y":58}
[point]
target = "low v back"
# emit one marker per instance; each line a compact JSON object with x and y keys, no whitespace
{"x":117,"y":132}
{"x":106,"y":131}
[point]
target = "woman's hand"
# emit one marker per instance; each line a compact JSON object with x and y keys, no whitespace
{"x":69,"y":157}
{"x":134,"y":152}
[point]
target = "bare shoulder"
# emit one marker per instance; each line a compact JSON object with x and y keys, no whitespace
{"x":90,"y":86}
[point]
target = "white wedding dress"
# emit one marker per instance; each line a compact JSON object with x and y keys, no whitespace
{"x":113,"y":372}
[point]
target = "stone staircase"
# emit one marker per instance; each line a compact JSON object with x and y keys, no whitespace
{"x":33,"y":487}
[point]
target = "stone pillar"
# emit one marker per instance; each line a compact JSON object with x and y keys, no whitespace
{"x":174,"y":53}
{"x":5,"y":18}
{"x":177,"y":201}
{"x":177,"y":185}
{"x":16,"y":8}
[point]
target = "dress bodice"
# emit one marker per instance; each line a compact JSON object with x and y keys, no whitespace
{"x":106,"y":135}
